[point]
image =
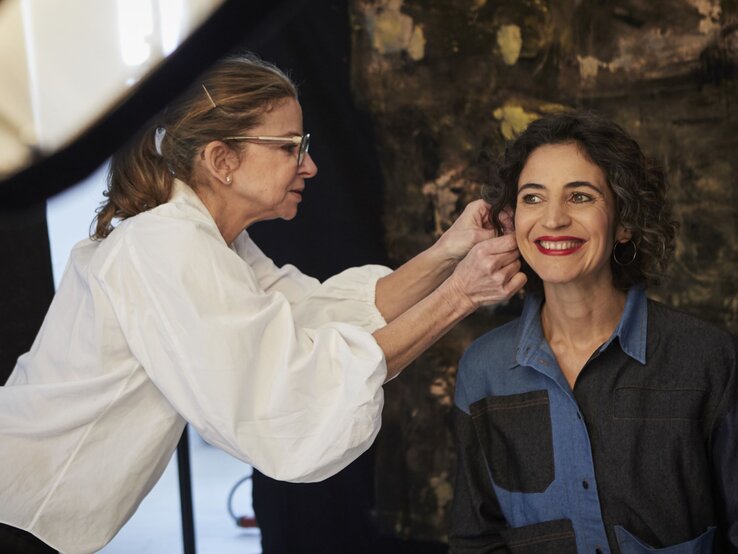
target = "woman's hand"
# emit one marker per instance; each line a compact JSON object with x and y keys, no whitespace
{"x":472,"y":227}
{"x":416,"y":279}
{"x":490,"y":272}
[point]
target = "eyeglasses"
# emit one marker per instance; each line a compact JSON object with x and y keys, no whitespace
{"x":303,"y":142}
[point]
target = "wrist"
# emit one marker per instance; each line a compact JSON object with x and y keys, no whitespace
{"x":442,"y":255}
{"x":460,"y":303}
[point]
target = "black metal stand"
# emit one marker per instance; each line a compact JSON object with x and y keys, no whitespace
{"x":185,"y":493}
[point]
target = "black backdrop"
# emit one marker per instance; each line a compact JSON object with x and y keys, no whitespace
{"x":26,"y":281}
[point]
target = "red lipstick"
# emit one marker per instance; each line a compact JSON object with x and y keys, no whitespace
{"x":558,"y":246}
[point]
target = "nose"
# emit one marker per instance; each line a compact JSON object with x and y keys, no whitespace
{"x":308,"y":169}
{"x":556,"y":216}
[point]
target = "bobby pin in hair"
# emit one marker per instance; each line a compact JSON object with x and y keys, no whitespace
{"x":209,"y":97}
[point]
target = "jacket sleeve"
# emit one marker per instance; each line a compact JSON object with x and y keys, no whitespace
{"x":299,"y":400}
{"x":725,"y":454}
{"x":477,"y":521}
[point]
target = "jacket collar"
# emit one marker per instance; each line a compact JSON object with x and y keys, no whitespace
{"x":533,"y":349}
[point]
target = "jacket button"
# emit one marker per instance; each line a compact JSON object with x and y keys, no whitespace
{"x":585,"y":484}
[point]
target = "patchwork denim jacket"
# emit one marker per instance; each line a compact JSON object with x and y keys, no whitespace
{"x":641,"y":456}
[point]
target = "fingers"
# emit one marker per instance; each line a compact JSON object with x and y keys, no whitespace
{"x":507,"y":221}
{"x":478,"y":213}
{"x":490,"y":273}
{"x":487,"y":260}
{"x":495,"y":244}
{"x":508,"y":270}
{"x":492,"y":254}
{"x":507,"y":281}
{"x":515,"y":283}
{"x":481,"y":235}
{"x":498,"y":245}
{"x":507,"y":260}
{"x":479,"y":205}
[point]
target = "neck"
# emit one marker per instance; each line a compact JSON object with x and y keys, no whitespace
{"x":226,"y":214}
{"x":581,"y":317}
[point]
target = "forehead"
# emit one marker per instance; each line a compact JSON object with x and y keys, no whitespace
{"x":558,"y":164}
{"x":284,"y":117}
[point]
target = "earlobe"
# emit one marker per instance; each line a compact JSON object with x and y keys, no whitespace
{"x":219,"y":161}
{"x":623,"y":235}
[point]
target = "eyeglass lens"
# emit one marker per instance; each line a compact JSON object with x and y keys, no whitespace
{"x":304,"y":146}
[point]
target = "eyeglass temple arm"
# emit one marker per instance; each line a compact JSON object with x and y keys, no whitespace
{"x":294,"y":140}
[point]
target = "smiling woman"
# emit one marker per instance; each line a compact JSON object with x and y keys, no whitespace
{"x":565,"y":221}
{"x":609,"y":422}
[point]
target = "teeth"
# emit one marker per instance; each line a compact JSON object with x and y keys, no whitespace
{"x":560,"y":244}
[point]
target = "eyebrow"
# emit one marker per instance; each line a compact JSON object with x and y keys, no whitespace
{"x":571,"y":185}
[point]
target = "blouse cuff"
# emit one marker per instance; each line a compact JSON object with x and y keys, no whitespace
{"x":361,"y":283}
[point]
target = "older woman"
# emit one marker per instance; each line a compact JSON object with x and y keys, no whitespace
{"x":175,"y":315}
{"x":599,"y":421}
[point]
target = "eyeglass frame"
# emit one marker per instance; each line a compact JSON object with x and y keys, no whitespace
{"x":303,"y":141}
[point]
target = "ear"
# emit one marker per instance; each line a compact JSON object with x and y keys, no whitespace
{"x":219,"y":161}
{"x":622,"y":234}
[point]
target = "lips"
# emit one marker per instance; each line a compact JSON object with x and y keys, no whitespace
{"x":558,"y":246}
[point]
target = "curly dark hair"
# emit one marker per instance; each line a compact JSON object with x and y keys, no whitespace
{"x":638,"y":184}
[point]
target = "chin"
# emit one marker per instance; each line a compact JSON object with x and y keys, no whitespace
{"x":550,"y":276}
{"x":557,"y":281}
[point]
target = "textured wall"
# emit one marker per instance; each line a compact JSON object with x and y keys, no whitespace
{"x":447,"y":81}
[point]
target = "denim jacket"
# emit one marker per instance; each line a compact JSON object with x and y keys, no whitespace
{"x":641,"y":456}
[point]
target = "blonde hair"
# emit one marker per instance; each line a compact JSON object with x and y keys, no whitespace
{"x":229,"y":100}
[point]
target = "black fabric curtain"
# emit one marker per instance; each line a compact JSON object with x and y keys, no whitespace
{"x":338,"y":223}
{"x":26,"y":281}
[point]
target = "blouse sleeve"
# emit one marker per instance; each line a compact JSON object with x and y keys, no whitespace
{"x":288,"y":280}
{"x":297,"y":395}
{"x":348,"y":297}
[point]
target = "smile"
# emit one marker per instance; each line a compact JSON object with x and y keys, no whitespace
{"x":558,"y":246}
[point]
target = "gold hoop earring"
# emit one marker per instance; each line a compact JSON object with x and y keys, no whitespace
{"x":618,"y":254}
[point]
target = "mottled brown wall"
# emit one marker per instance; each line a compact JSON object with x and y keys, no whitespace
{"x":448,"y":80}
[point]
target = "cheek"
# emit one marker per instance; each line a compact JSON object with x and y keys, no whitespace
{"x":605,"y":224}
{"x":522,"y":224}
{"x":519,"y":235}
{"x":522,"y":238}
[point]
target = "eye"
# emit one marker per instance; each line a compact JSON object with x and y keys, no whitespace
{"x":581,"y":197}
{"x":531,"y":199}
{"x":290,"y":147}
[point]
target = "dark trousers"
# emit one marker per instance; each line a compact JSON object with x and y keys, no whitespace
{"x":330,"y":517}
{"x":15,"y":541}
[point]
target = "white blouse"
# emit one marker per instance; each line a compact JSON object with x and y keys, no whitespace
{"x":161,"y":323}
